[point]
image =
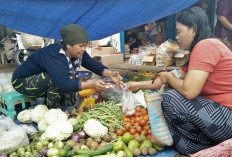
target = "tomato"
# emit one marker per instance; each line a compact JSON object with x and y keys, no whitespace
{"x":129,"y":116}
{"x":119,"y":132}
{"x":146,"y":127}
{"x":137,"y":109}
{"x":132,"y":120}
{"x":149,"y":132}
{"x":126,"y":120}
{"x":142,"y":122}
{"x":132,"y":131}
{"x":144,"y":132}
{"x":148,"y":137}
{"x":136,"y":134}
{"x":138,"y":129}
{"x":146,"y":117}
{"x":137,"y":114}
{"x":127,"y":126}
{"x":137,"y":119}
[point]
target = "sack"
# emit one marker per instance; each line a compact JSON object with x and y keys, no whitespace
{"x":12,"y":136}
{"x":160,"y":133}
{"x":32,"y":42}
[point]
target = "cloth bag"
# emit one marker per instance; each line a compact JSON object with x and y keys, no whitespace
{"x":160,"y":133}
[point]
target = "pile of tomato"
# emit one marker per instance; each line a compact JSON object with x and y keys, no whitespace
{"x":136,"y":124}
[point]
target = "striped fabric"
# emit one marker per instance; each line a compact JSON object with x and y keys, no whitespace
{"x":195,"y":124}
{"x":74,"y":64}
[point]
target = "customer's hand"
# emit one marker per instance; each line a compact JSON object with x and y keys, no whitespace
{"x":115,"y":77}
{"x":132,"y":86}
{"x":163,"y":77}
{"x":98,"y":85}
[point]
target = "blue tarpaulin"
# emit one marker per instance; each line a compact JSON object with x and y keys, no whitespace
{"x":101,"y":18}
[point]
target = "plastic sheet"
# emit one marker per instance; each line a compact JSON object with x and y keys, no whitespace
{"x":12,"y":136}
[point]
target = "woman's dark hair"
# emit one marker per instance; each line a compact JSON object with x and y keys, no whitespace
{"x":196,"y":17}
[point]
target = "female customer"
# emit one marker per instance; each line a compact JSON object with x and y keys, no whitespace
{"x":198,"y":108}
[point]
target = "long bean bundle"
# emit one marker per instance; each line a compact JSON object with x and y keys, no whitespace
{"x":109,"y":114}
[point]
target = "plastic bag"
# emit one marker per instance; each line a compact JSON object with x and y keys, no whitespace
{"x":164,"y":53}
{"x":139,"y":99}
{"x":161,"y":135}
{"x":12,"y":136}
{"x":112,"y":93}
{"x":128,"y":102}
{"x":5,"y":83}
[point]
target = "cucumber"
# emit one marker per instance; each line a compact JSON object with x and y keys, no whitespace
{"x":82,"y":155}
{"x":96,"y":152}
{"x":71,"y":153}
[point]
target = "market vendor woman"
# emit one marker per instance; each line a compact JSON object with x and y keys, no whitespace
{"x":53,"y":70}
{"x":198,"y":108}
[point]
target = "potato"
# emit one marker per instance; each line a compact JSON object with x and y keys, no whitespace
{"x":76,"y":147}
{"x":152,"y":151}
{"x":94,"y":145}
{"x":89,"y":139}
{"x":106,"y":138}
{"x":144,"y":150}
{"x":136,"y":152}
{"x":98,"y":139}
{"x":113,"y":136}
{"x":112,"y":130}
{"x":139,"y":139}
{"x":71,"y":143}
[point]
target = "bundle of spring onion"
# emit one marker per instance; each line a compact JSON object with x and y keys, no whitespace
{"x":109,"y":114}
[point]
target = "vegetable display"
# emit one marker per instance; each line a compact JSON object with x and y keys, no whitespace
{"x":101,"y":131}
{"x":106,"y":112}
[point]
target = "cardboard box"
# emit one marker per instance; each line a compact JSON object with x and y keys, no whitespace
{"x":110,"y":59}
{"x":181,"y":58}
{"x":101,"y":51}
{"x":149,"y":60}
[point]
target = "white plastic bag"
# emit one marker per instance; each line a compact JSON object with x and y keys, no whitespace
{"x":128,"y":102}
{"x":139,"y":99}
{"x":12,"y":136}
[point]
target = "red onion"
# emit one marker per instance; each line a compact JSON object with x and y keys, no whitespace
{"x":76,"y":138}
{"x":3,"y":155}
{"x":44,"y":151}
{"x":81,"y":134}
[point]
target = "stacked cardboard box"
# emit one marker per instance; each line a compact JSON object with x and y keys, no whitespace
{"x":107,"y":56}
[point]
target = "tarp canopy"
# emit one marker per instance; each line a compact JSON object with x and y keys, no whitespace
{"x":101,"y":18}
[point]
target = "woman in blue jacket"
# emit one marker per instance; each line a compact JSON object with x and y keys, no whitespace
{"x":53,"y":70}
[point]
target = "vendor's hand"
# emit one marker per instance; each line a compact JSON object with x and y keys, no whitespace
{"x":98,"y":85}
{"x":163,"y":77}
{"x":115,"y":77}
{"x":132,"y":86}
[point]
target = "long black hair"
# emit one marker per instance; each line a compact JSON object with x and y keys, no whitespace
{"x":196,"y":17}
